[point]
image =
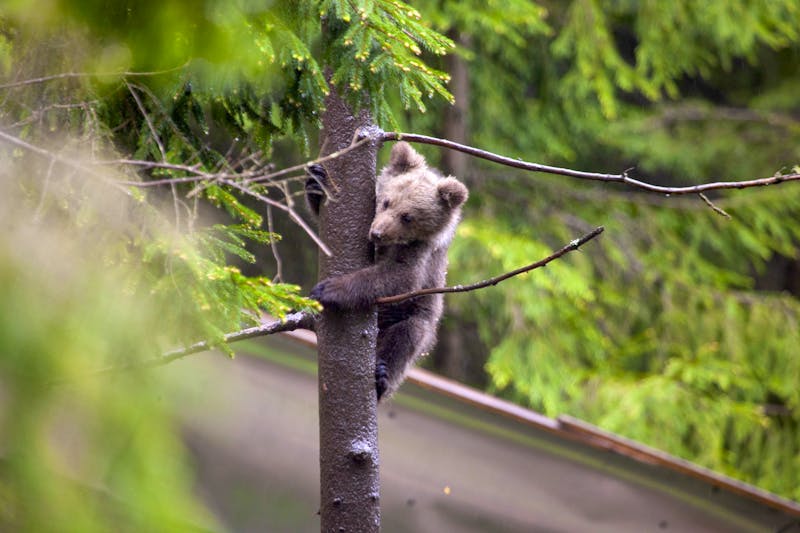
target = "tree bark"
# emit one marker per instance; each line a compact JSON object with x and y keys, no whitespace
{"x":451,"y":357}
{"x":348,"y":427}
{"x":456,"y":120}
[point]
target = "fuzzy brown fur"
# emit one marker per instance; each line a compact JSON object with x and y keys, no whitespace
{"x":417,"y":211}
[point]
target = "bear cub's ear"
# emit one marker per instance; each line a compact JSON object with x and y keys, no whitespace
{"x":404,"y":158}
{"x":452,"y":192}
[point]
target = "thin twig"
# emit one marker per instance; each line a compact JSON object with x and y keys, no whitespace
{"x":67,"y":75}
{"x":291,"y":212}
{"x":595,"y":176}
{"x":150,"y":125}
{"x":573,"y":245}
{"x":60,"y":159}
{"x":274,"y":246}
{"x":711,"y":204}
{"x":200,"y":175}
{"x":267,"y":177}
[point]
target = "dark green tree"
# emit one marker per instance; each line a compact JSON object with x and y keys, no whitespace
{"x":680,"y":331}
{"x":172,"y":109}
{"x":161,"y":138}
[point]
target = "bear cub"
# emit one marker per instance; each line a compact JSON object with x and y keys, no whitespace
{"x":417,"y":211}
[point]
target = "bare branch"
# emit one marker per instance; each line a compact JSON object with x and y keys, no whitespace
{"x":199,"y":175}
{"x":291,"y":322}
{"x":614,"y":178}
{"x":573,"y":245}
{"x":303,"y":320}
{"x":77,"y":165}
{"x":267,"y":177}
{"x":252,"y":176}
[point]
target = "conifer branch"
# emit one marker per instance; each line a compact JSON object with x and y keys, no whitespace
{"x":595,"y":176}
{"x":573,"y":245}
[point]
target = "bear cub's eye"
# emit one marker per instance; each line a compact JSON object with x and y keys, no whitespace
{"x":405,"y":218}
{"x":385,"y":204}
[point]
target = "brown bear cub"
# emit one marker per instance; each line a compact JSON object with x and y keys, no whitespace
{"x":417,"y":211}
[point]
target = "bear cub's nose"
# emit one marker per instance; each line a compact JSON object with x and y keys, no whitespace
{"x":375,"y":235}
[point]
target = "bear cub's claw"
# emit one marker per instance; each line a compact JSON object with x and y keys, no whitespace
{"x":318,"y":293}
{"x":316,"y":175}
{"x":315,"y":183}
{"x":381,"y":379}
{"x":329,"y":293}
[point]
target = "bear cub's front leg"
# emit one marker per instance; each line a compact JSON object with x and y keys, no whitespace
{"x":350,"y":291}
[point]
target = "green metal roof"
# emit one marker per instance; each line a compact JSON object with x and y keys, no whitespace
{"x":452,"y":459}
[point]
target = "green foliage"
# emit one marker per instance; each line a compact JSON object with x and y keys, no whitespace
{"x":375,"y":47}
{"x":81,"y":452}
{"x":654,"y":331}
{"x":661,"y":330}
{"x":136,"y":138}
{"x":262,"y":64}
{"x":226,"y":80}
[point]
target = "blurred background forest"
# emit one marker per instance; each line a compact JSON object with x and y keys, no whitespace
{"x":139,"y":140}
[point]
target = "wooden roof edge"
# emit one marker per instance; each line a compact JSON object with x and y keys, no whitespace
{"x":571,"y":428}
{"x":601,"y":438}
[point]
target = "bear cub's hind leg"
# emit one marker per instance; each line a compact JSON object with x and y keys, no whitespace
{"x":398,"y":346}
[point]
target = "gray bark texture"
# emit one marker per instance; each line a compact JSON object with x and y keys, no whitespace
{"x":348,"y":426}
{"x":456,"y":120}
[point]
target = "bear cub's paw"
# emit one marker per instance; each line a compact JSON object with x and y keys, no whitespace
{"x":331,"y":293}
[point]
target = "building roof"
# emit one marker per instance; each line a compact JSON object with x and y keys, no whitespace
{"x":452,"y":459}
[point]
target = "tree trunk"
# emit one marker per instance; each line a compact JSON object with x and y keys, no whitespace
{"x":348,"y":427}
{"x":456,"y":126}
{"x":450,"y":354}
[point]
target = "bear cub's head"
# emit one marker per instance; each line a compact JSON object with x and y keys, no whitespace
{"x":414,"y":202}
